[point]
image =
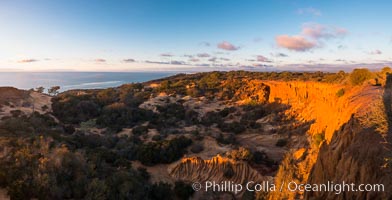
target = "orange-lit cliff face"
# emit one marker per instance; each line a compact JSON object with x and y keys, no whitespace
{"x":320,"y":102}
{"x":344,"y":154}
{"x":331,"y":115}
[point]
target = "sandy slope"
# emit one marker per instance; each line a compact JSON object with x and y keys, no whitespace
{"x":27,"y":102}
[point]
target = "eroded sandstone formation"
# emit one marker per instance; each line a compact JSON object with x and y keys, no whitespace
{"x":348,"y":151}
{"x":196,"y":169}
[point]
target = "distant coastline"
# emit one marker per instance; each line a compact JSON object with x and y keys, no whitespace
{"x":76,"y":80}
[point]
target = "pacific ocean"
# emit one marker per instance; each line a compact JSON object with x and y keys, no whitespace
{"x":76,"y":80}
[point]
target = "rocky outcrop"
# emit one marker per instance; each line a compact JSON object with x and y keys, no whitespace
{"x":195,"y":169}
{"x":354,"y":155}
{"x":253,"y":91}
{"x":360,"y":152}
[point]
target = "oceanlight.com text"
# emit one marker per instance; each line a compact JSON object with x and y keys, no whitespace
{"x":292,"y":186}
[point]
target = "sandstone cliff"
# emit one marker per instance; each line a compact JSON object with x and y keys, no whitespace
{"x":350,"y":152}
{"x":199,"y":170}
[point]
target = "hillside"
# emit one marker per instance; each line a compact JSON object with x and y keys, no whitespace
{"x":153,"y":140}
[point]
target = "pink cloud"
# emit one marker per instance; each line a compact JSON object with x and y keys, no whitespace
{"x":100,"y":60}
{"x":27,"y":60}
{"x":312,"y":35}
{"x":194,"y":60}
{"x":295,"y":43}
{"x":341,"y":31}
{"x":318,"y":31}
{"x":227,"y":46}
{"x":203,"y":55}
{"x":261,"y":58}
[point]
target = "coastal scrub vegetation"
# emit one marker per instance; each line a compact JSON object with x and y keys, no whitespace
{"x":85,"y":145}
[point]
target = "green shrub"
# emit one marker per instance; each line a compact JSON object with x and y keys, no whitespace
{"x":318,"y":138}
{"x":165,"y":151}
{"x":340,"y":92}
{"x":359,"y":76}
{"x":240,"y":154}
{"x":84,"y":126}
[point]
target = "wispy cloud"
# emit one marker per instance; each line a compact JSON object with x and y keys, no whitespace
{"x":166,"y":55}
{"x":319,"y":31}
{"x":207,"y":44}
{"x":188,"y":56}
{"x":156,"y":62}
{"x":212,"y":59}
{"x":129,"y":60}
{"x":340,"y":60}
{"x":309,"y":11}
{"x":100,"y":60}
{"x":177,"y":62}
{"x":341,"y":47}
{"x":194,"y":59}
{"x":227,"y":46}
{"x":27,"y":60}
{"x":262,"y":65}
{"x":258,"y":39}
{"x":261,"y":58}
{"x":224,"y":59}
{"x":173,"y":62}
{"x":221,"y":53}
{"x":295,"y":43}
{"x":203,"y":55}
{"x":375,"y":52}
{"x":279,"y":55}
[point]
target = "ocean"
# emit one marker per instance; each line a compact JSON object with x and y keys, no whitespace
{"x":76,"y":80}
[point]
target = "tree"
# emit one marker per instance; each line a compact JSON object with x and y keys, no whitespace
{"x":54,"y":90}
{"x":240,"y":154}
{"x":97,"y":190}
{"x":40,"y":89}
{"x":107,"y":96}
{"x":165,"y":86}
{"x":359,"y":76}
{"x":386,"y":69}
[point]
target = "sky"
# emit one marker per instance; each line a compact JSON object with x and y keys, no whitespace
{"x":199,"y":35}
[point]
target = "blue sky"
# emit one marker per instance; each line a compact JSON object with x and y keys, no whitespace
{"x":161,"y":35}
